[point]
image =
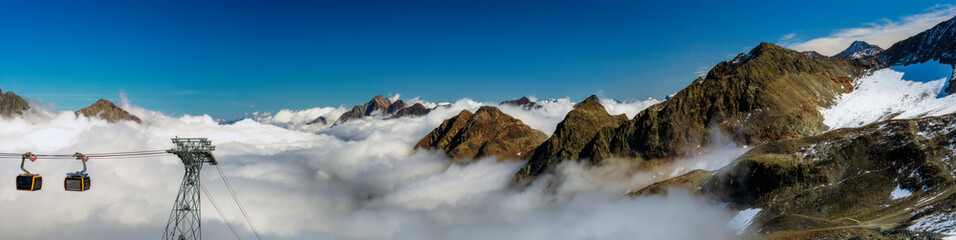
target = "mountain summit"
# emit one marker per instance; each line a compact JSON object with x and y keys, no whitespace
{"x":860,"y":49}
{"x":570,"y":138}
{"x":108,"y":111}
{"x":378,"y":107}
{"x":11,"y":104}
{"x":731,"y":105}
{"x":523,"y":102}
{"x":487,"y":132}
{"x":937,"y":43}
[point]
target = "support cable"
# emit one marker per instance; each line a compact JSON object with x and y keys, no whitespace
{"x":238,"y":203}
{"x":70,"y":156}
{"x":93,"y":155}
{"x":184,"y":145}
{"x":223,"y":216}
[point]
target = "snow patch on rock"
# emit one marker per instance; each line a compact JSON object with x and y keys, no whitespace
{"x":743,"y":219}
{"x":899,"y":193}
{"x":944,"y":222}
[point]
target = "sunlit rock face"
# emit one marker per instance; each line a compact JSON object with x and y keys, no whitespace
{"x":381,"y":107}
{"x":883,"y":174}
{"x":11,"y":104}
{"x":770,"y":94}
{"x":107,"y":111}
{"x":569,"y":139}
{"x":487,"y":132}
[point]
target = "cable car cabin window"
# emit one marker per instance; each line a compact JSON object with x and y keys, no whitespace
{"x":77,"y":183}
{"x":29,"y":182}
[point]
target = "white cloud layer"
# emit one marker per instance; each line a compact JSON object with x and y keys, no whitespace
{"x":299,"y":120}
{"x":358,"y":180}
{"x":883,"y":33}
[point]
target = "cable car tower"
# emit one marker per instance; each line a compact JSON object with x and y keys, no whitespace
{"x":185,"y":219}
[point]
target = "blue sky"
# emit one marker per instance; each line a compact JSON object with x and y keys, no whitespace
{"x":226,"y":59}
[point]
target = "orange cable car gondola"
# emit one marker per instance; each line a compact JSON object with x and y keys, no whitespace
{"x":78,"y":181}
{"x":28,"y":181}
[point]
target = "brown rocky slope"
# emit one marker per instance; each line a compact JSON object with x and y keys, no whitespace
{"x":378,"y":107}
{"x":569,"y":138}
{"x":108,"y":111}
{"x":897,"y":175}
{"x":770,"y":94}
{"x":12,"y":104}
{"x":487,"y":132}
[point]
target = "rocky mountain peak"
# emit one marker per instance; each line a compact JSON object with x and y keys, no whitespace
{"x":321,"y":120}
{"x":416,"y":109}
{"x":815,"y":55}
{"x":724,"y":70}
{"x":107,"y":111}
{"x":469,"y":136}
{"x":859,"y":49}
{"x":590,"y":102}
{"x":380,"y":107}
{"x":491,"y":111}
{"x":523,"y":102}
{"x":731,"y":100}
{"x":395,"y":106}
{"x":570,"y":138}
{"x":12,"y":104}
{"x":937,"y":43}
{"x":760,"y":50}
{"x":762,"y":47}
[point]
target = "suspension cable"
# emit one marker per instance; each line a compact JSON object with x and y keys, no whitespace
{"x":129,"y":153}
{"x":223,"y":216}
{"x":144,"y":153}
{"x":98,"y":157}
{"x":238,"y":203}
{"x":126,"y":155}
{"x":131,"y":157}
{"x":156,"y":153}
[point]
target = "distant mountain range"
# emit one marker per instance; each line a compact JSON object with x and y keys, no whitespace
{"x":380,"y":107}
{"x":12,"y":105}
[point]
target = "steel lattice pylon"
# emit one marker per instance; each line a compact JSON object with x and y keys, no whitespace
{"x":185,"y":220}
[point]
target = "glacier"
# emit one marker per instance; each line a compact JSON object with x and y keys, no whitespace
{"x":887,"y":94}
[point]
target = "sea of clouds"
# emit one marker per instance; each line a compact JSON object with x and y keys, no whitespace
{"x":357,"y":180}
